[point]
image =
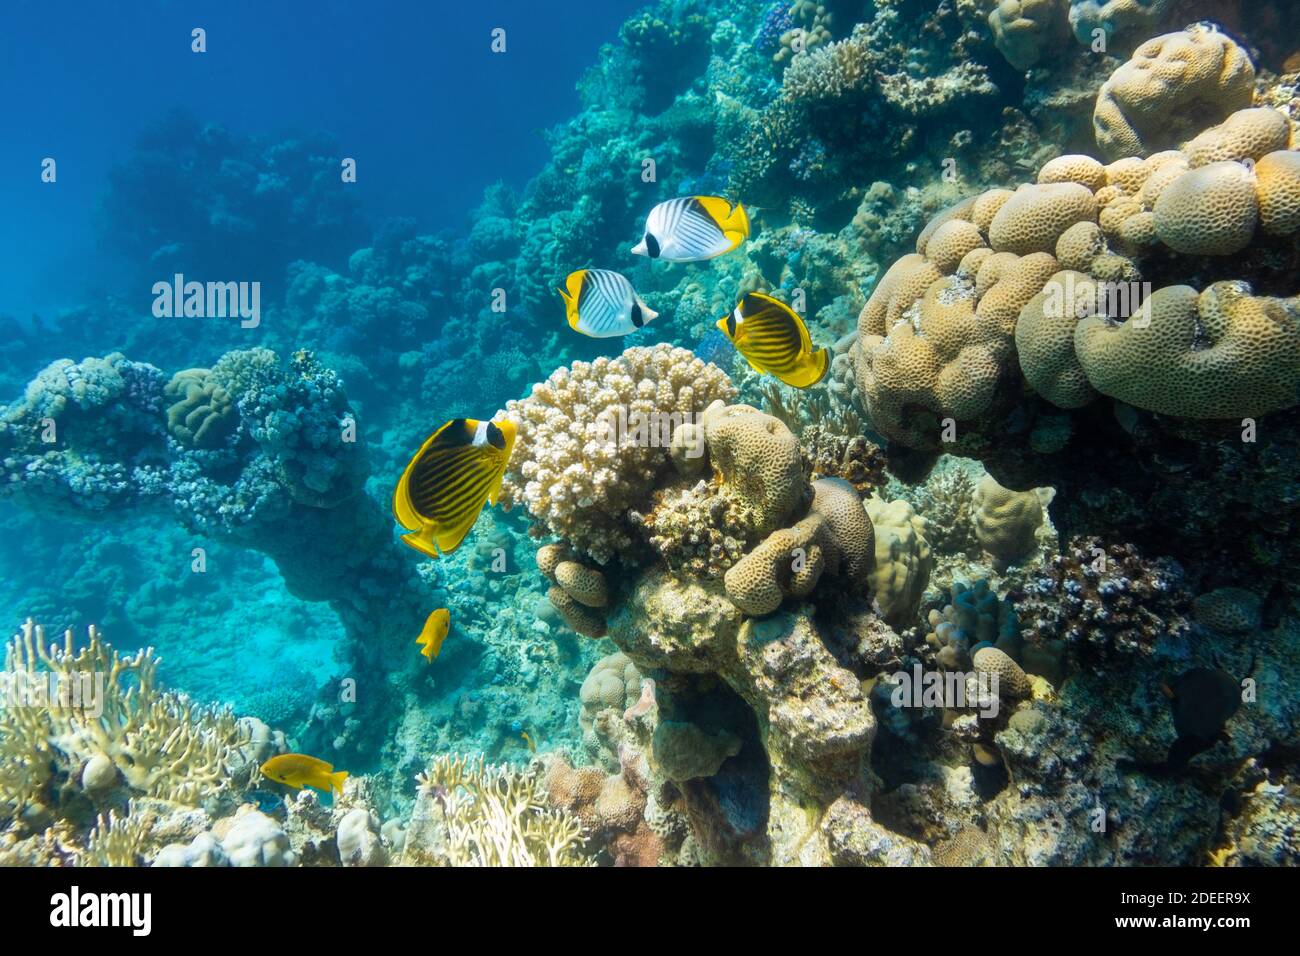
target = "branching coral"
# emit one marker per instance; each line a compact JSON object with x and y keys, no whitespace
{"x":573,"y":469}
{"x":108,"y":719}
{"x":471,"y":813}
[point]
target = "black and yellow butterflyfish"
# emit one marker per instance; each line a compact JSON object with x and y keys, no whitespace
{"x":457,"y":470}
{"x":775,"y":341}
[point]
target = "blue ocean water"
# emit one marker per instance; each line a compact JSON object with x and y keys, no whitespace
{"x":225,"y":164}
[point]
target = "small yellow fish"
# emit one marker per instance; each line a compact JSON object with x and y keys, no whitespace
{"x":775,"y":341}
{"x":528,"y":740}
{"x":603,"y":304}
{"x":693,"y":228}
{"x":457,"y":470}
{"x":299,"y":770}
{"x":434,"y":633}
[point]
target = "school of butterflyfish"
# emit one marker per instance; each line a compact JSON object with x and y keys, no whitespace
{"x":459,"y":468}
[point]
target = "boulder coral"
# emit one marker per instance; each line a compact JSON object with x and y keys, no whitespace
{"x":1025,"y":30}
{"x":1221,"y":353}
{"x":1173,"y":85}
{"x":1044,"y":283}
{"x":903,"y":560}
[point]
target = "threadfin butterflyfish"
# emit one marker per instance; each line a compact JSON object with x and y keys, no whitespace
{"x":775,"y":341}
{"x":693,"y":228}
{"x":434,"y":633}
{"x":456,"y":471}
{"x":603,"y":304}
{"x":299,"y":770}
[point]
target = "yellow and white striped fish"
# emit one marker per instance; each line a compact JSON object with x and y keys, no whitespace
{"x":693,"y":228}
{"x":456,"y":471}
{"x":775,"y":341}
{"x":603,"y":304}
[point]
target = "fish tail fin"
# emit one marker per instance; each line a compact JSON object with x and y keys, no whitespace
{"x":336,"y":781}
{"x":811,"y":372}
{"x":738,"y":221}
{"x":422,"y":541}
{"x":570,"y":307}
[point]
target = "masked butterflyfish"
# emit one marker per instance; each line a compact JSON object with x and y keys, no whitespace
{"x":434,"y":633}
{"x":442,"y":491}
{"x":774,"y":340}
{"x":299,"y":770}
{"x":693,"y":228}
{"x":603,"y":304}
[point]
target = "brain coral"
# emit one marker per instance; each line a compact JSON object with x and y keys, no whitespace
{"x":933,"y":345}
{"x":1221,"y":353}
{"x":1115,"y":18}
{"x":849,"y":530}
{"x":1246,"y":134}
{"x":1045,"y":339}
{"x":1277,"y":177}
{"x":789,"y":563}
{"x":1173,"y":85}
{"x":610,"y":688}
{"x":1210,"y":211}
{"x":201,"y":415}
{"x":580,"y":463}
{"x":760,"y":463}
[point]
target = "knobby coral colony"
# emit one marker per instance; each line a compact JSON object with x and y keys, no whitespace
{"x":1032,"y":517}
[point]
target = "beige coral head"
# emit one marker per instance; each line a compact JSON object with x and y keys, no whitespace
{"x":1221,"y":353}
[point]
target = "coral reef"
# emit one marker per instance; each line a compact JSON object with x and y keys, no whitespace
{"x":574,"y":470}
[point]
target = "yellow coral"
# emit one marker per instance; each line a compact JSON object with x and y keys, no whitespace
{"x":1025,"y":30}
{"x":788,"y":563}
{"x":1006,"y":521}
{"x":1208,"y":211}
{"x":1033,"y":219}
{"x":760,"y":463}
{"x":1277,"y":180}
{"x":1045,"y":339}
{"x":903,"y":560}
{"x":1246,"y":134}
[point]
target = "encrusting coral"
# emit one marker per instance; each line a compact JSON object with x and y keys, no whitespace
{"x":1006,"y":521}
